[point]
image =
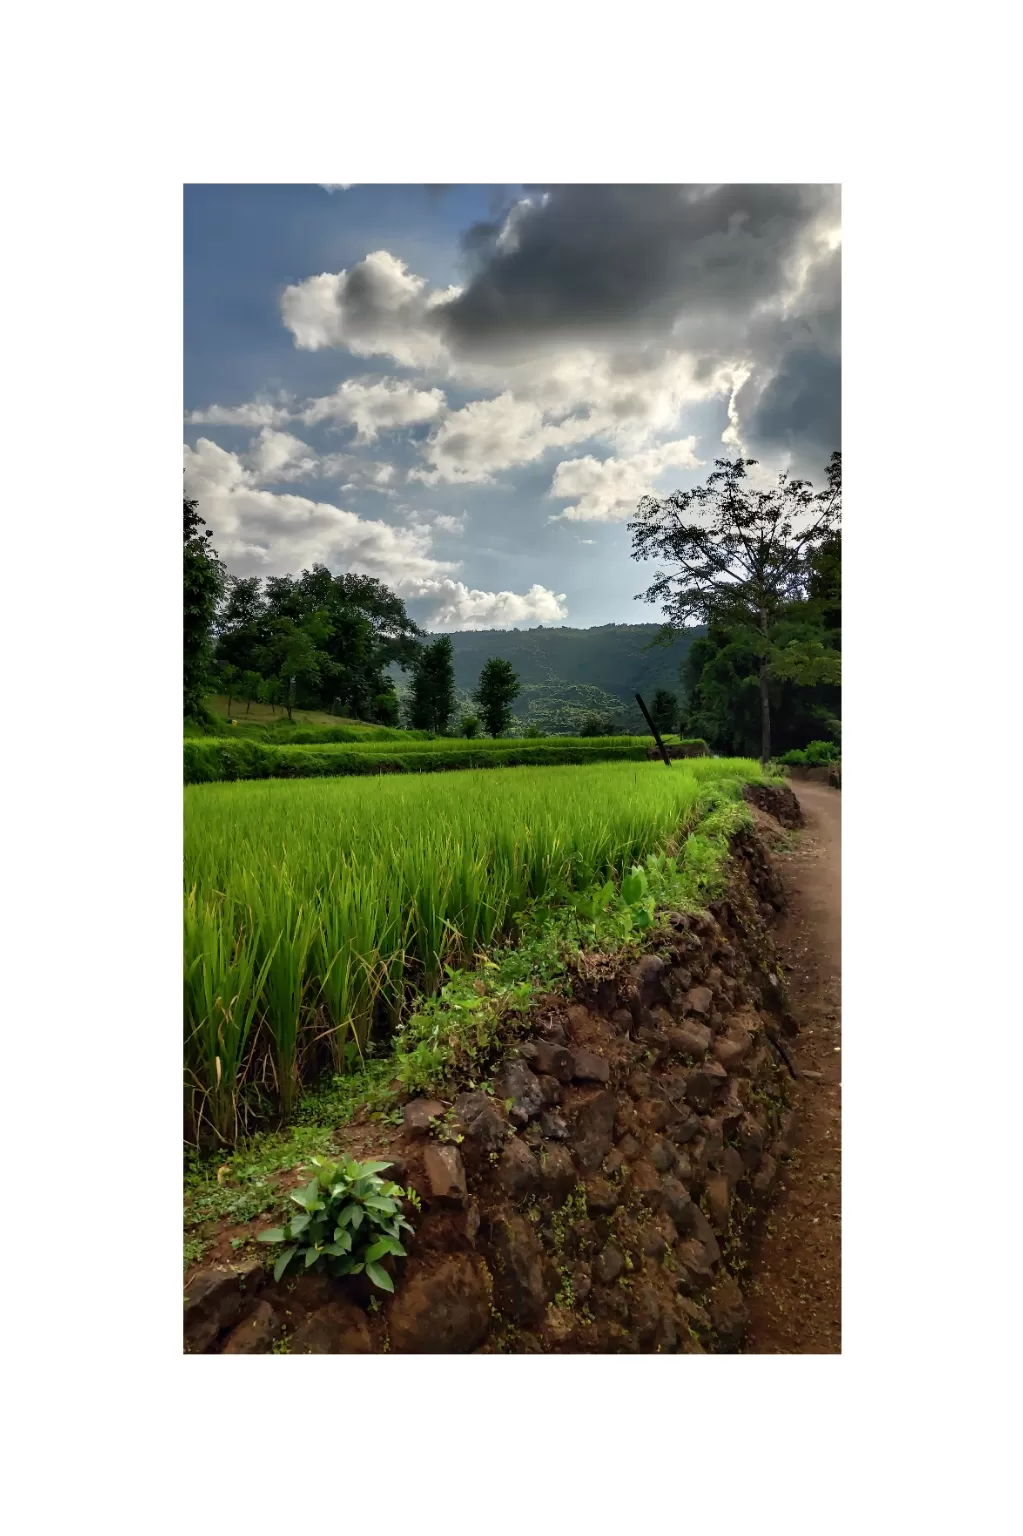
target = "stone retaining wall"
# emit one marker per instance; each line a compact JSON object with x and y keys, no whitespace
{"x":600,"y":1197}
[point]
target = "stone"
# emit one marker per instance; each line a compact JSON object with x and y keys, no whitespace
{"x":684,"y":1169}
{"x":396,"y":1170}
{"x":704,"y":1085}
{"x":639,"y":1084}
{"x":339,"y":1328}
{"x":693,"y":1312}
{"x":521,"y":1286}
{"x":216,"y":1299}
{"x":677,"y":1204}
{"x":418,"y":1113}
{"x":690,"y":1039}
{"x":601,"y":1199}
{"x":629,"y":1147}
{"x":551,"y":1090}
{"x":654,"y":1113}
{"x":478,"y":1120}
{"x":654,"y":1244}
{"x":472,"y":1222}
{"x":684,"y":1129}
{"x":728,"y":1312}
{"x":622,"y":1020}
{"x":647,"y":971}
{"x":557,"y":1173}
{"x":751,"y":1138}
{"x":662,"y":1154}
{"x":257,"y":1335}
{"x":592,"y":1128}
{"x":518,"y":1172}
{"x":766,"y":1175}
{"x":646,"y":1181}
{"x":553,"y":1060}
{"x":613,"y":1163}
{"x":553,"y":1125}
{"x":590,"y":1068}
{"x":552,"y":1030}
{"x":445,"y":1173}
{"x":698,"y":1000}
{"x":732,"y":1048}
{"x":608,"y":1264}
{"x":441,"y":1309}
{"x":695,"y":1270}
{"x":719,"y":1201}
{"x":578,"y":1017}
{"x":533,"y":1136}
{"x":517,"y":1088}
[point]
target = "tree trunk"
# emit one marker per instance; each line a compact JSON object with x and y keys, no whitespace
{"x":229,"y":706}
{"x":248,"y":706}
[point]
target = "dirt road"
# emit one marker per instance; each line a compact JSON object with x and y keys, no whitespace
{"x":795,"y":1290}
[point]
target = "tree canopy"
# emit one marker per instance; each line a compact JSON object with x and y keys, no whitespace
{"x":496,"y":691}
{"x":203,"y":586}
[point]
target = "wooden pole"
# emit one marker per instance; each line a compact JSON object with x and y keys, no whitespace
{"x":657,"y":734}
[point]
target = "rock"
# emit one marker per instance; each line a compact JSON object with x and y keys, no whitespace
{"x":613,"y":1163}
{"x":551,"y":1090}
{"x":690,"y":1039}
{"x":728,"y":1312}
{"x":622,"y":1020}
{"x":553,"y":1060}
{"x":592,"y":1127}
{"x":684,"y":1169}
{"x":590,"y":1068}
{"x":684,"y":1129}
{"x":518,"y":1173}
{"x":732,"y":1166}
{"x":751,"y":1138}
{"x":443,"y":1309}
{"x":654,"y":1113}
{"x":677,"y":1204}
{"x":646,"y":975}
{"x":336,"y":1329}
{"x":579,"y":1018}
{"x":653,"y":1243}
{"x":695,"y":1271}
{"x":719,"y":1201}
{"x":662,"y":1154}
{"x":533,"y":1136}
{"x":693,"y":1312}
{"x":516,"y":1086}
{"x":601,"y":1199}
{"x":733,"y":1048}
{"x":629,"y":1147}
{"x":640,"y":1084}
{"x":698,"y":1000}
{"x":553,"y":1125}
{"x":472,"y":1222}
{"x":646,"y":1182}
{"x":396,"y":1170}
{"x":216,"y":1299}
{"x":418,"y":1113}
{"x":582,"y":1282}
{"x":552,"y":1030}
{"x":766,"y":1176}
{"x":311,"y":1289}
{"x":445,"y":1173}
{"x":704,"y":1085}
{"x":713,"y":1148}
{"x":521,"y":1287}
{"x":478,"y":1119}
{"x":557,"y":1173}
{"x":257,"y":1335}
{"x":608,"y":1264}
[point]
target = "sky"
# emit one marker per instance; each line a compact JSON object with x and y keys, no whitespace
{"x":465,"y":390}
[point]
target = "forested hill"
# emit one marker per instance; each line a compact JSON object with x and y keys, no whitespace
{"x":569,"y":674}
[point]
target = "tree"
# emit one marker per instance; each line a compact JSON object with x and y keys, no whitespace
{"x":432,"y":695}
{"x":203,"y":586}
{"x":738,"y":558}
{"x":300,"y":661}
{"x":495,"y":693}
{"x":664,"y":711}
{"x":249,"y":689}
{"x":229,"y":679}
{"x":470,"y":726}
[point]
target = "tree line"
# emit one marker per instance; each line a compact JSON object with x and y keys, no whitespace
{"x":320,"y":641}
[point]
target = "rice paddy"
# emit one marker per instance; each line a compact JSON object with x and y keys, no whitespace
{"x":313,"y":907}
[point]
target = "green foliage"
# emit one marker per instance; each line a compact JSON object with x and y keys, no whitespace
{"x":431,"y":698}
{"x":664,"y":710}
{"x":816,"y":755}
{"x":496,"y":691}
{"x":470,"y":727}
{"x":203,"y":585}
{"x":349,"y":1220}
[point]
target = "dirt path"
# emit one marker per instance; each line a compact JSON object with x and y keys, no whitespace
{"x":795,"y":1290}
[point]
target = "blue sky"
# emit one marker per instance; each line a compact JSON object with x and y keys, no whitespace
{"x":465,"y":390}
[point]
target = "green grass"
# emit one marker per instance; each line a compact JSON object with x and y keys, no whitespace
{"x":315,"y":910}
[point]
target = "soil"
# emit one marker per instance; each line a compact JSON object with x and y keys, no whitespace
{"x":794,"y":1296}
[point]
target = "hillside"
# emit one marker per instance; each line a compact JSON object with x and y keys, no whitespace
{"x":568,"y":674}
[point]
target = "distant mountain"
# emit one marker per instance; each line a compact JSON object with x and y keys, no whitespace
{"x":568,"y":674}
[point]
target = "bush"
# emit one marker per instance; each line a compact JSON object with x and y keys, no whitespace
{"x":349,"y":1220}
{"x":470,"y":726}
{"x":817,"y":755}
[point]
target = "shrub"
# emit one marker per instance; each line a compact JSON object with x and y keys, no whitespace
{"x":349,"y":1220}
{"x":470,"y":726}
{"x":816,"y":755}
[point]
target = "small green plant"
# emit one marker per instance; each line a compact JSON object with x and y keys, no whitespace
{"x":349,"y":1220}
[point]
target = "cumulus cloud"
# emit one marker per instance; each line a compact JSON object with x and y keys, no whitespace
{"x":447,"y":522}
{"x":462,"y":607}
{"x":374,"y":407}
{"x":379,"y":307}
{"x":275,"y":456}
{"x":261,"y":412}
{"x":609,"y":489}
{"x":486,"y":436}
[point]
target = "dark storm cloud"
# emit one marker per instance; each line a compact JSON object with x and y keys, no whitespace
{"x":694,"y":268}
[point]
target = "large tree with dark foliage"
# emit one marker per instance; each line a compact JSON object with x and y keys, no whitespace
{"x":203,"y":586}
{"x":742,"y":561}
{"x":431,"y":701}
{"x":496,"y":692}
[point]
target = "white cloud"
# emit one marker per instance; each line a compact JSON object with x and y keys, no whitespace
{"x":374,"y":407}
{"x":485,"y":436}
{"x":275,"y":456}
{"x":609,"y":490}
{"x":336,"y":186}
{"x":462,"y":607}
{"x":448,"y":523}
{"x":380,"y":307}
{"x":256,"y":413}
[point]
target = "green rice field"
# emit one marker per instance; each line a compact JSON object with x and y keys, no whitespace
{"x":314,"y":906}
